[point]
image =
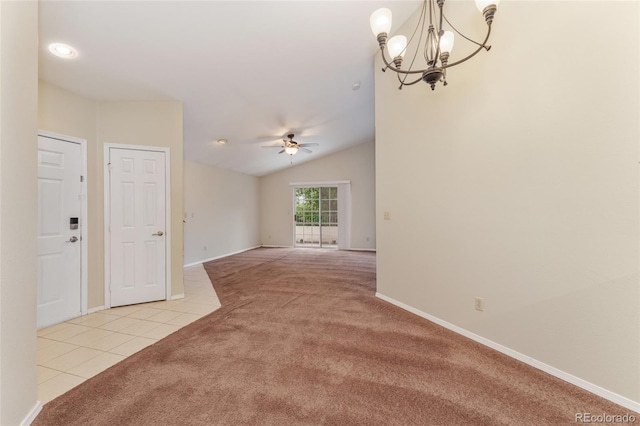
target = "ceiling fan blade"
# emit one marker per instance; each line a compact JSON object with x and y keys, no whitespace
{"x":281,"y":152}
{"x":308,"y":144}
{"x":306,"y":150}
{"x":272,"y":146}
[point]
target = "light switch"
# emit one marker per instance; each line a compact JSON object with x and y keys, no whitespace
{"x":387,"y":216}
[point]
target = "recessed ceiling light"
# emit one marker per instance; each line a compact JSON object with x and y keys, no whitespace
{"x":222,"y":141}
{"x":63,"y":50}
{"x":355,"y":86}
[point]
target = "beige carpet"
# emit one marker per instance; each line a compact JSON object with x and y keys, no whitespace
{"x":301,"y":340}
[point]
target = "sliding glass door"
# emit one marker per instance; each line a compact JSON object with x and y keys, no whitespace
{"x":316,"y":217}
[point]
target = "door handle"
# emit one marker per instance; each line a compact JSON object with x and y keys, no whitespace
{"x":159,"y":233}
{"x":72,"y":240}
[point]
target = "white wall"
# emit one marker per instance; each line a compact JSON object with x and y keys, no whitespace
{"x":18,"y":216}
{"x":520,"y":185}
{"x":355,"y":164}
{"x":221,"y":212}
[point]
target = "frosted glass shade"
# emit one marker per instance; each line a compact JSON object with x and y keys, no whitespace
{"x":380,"y":21}
{"x":446,"y":42}
{"x":396,"y":46}
{"x":481,"y":4}
{"x":291,"y":150}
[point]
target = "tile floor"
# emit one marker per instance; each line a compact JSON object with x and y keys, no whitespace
{"x":73,"y":351}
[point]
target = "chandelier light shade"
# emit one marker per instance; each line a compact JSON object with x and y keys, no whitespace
{"x":380,"y":21}
{"x":434,"y":42}
{"x":397,"y":46}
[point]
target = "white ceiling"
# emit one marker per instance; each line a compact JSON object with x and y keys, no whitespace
{"x":249,"y":72}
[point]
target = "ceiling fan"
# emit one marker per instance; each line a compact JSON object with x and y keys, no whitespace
{"x":292,"y":147}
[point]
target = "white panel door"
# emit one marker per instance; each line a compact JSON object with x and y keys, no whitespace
{"x":59,"y":246}
{"x":137,"y":218}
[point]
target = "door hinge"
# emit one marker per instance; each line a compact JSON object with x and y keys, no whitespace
{"x":109,"y":166}
{"x":81,"y":178}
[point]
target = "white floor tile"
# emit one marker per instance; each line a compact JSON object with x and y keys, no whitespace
{"x":56,"y":386}
{"x":54,"y":351}
{"x":132,"y":346}
{"x":96,"y":365}
{"x":45,"y":373}
{"x":83,"y":347}
{"x":71,"y":359}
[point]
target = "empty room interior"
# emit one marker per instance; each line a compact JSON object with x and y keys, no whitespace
{"x":311,"y":212}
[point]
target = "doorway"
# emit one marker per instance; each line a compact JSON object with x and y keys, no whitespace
{"x":62,"y":230}
{"x":316,"y":217}
{"x":137,"y":212}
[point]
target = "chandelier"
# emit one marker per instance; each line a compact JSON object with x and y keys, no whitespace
{"x":437,"y":44}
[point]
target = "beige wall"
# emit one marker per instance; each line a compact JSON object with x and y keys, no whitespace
{"x":221,"y":212}
{"x":18,"y":217}
{"x":155,"y":124}
{"x":519,"y":184}
{"x":66,"y":113}
{"x":132,"y":123}
{"x":355,"y":164}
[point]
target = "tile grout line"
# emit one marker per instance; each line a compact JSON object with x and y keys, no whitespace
{"x":194,"y":289}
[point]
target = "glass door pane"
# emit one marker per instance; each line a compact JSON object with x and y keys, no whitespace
{"x":316,"y":217}
{"x":307,"y":217}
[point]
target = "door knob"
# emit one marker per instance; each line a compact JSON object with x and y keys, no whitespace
{"x":159,"y":233}
{"x":72,"y":240}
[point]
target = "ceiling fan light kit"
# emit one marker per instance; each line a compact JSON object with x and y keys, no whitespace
{"x":292,"y":147}
{"x":436,"y":46}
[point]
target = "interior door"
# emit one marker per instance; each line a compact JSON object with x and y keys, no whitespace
{"x":59,"y":242}
{"x":137,"y":222}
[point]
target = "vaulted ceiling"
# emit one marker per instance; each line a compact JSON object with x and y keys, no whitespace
{"x":249,"y":72}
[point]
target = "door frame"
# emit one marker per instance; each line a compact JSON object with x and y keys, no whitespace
{"x":344,"y":208}
{"x":84,"y":213}
{"x":107,"y":216}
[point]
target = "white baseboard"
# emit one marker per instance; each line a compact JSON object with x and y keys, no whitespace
{"x":581,"y":383}
{"x":177,"y":296}
{"x":361,"y":249}
{"x":32,"y":414}
{"x":96,"y":309}
{"x":274,"y":246}
{"x":219,"y":257}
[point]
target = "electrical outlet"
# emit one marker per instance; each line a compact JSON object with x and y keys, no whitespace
{"x":387,"y":216}
{"x":479,"y":304}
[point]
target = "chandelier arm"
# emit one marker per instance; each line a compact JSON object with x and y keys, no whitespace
{"x":409,"y":84}
{"x":398,"y":70}
{"x":482,"y":46}
{"x":460,"y":34}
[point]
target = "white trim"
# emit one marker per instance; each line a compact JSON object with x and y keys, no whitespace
{"x":361,"y":249}
{"x":107,"y":207}
{"x":96,"y":309}
{"x":274,"y":246}
{"x":177,"y":296}
{"x":84,"y":213}
{"x":32,"y":414}
{"x":316,"y":184}
{"x":581,"y":383}
{"x":200,"y":262}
